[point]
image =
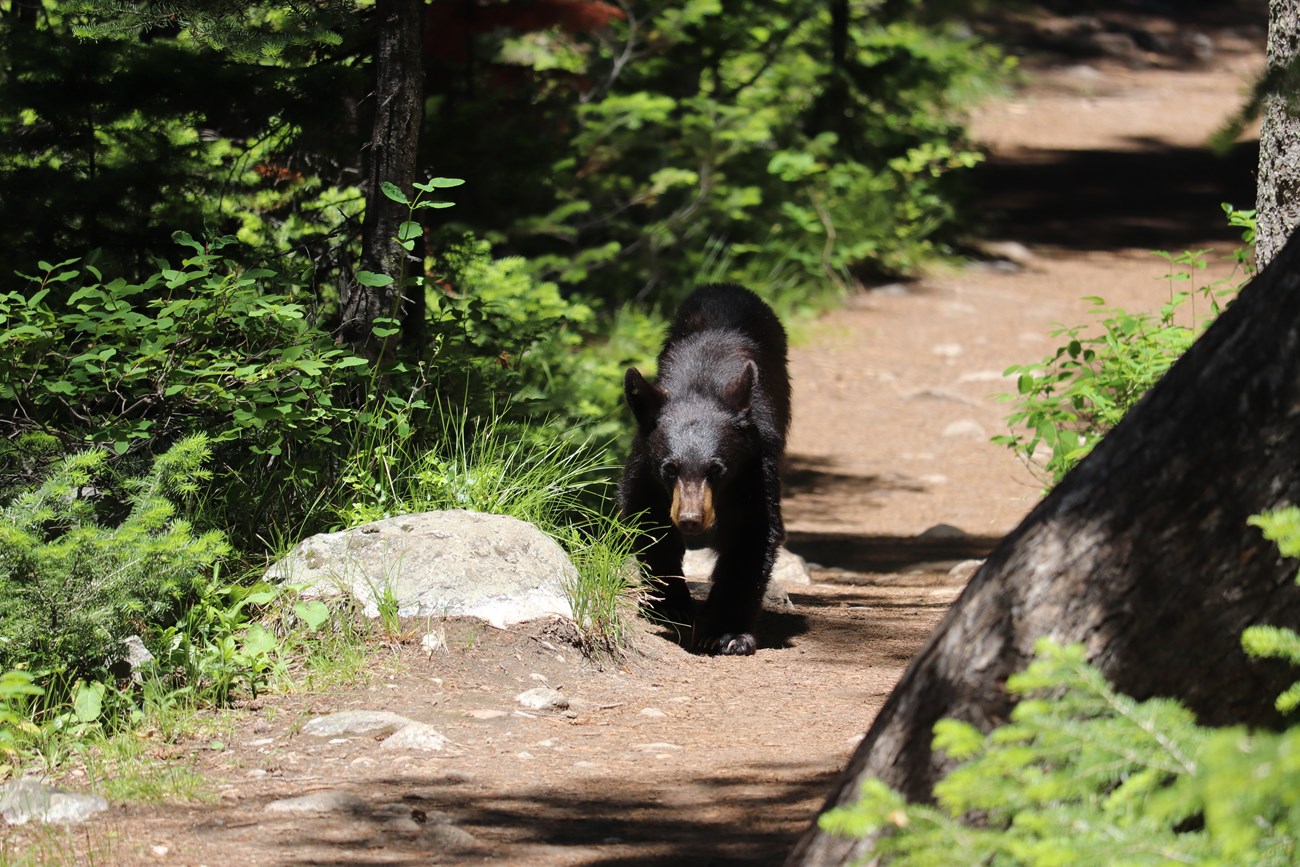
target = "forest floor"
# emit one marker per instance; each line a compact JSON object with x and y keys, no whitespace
{"x":668,"y":758}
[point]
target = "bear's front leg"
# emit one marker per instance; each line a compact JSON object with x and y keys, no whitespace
{"x":670,"y":599}
{"x":726,"y":625}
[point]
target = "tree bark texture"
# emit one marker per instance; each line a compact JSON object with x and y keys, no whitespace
{"x":399,"y":111}
{"x":1142,"y":554}
{"x":1277,"y":196}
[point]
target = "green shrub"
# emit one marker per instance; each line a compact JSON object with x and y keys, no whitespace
{"x":1067,"y":402}
{"x":206,"y":347}
{"x":76,"y":584}
{"x":1282,"y":527}
{"x":1083,"y":775}
{"x":731,"y":147}
{"x":239,"y":355}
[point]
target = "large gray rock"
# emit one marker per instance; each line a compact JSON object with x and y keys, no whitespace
{"x":353,"y":723}
{"x":331,"y":801}
{"x":789,"y":568}
{"x":23,"y":801}
{"x":453,"y":563}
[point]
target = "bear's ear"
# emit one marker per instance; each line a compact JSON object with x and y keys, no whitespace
{"x":739,"y":393}
{"x":645,"y":399}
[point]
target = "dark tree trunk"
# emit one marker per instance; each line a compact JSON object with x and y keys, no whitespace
{"x":1277,"y":197}
{"x":1142,"y":554}
{"x":829,"y":111}
{"x":399,"y":111}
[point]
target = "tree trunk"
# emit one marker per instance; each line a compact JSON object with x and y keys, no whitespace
{"x":399,"y":111}
{"x":1277,"y":197}
{"x":1142,"y":554}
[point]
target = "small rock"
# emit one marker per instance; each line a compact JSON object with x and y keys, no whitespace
{"x":1083,"y":72}
{"x":943,"y":531}
{"x":891,"y":290}
{"x":542,"y":698}
{"x":982,"y":376}
{"x":653,"y":712}
{"x":261,"y":726}
{"x":403,"y":825}
{"x":790,"y":568}
{"x":948,"y":350}
{"x":659,"y":747}
{"x":1011,"y":251}
{"x":135,"y":657}
{"x":23,"y":801}
{"x":333,"y":801}
{"x":355,"y":722}
{"x":415,"y":736}
{"x":448,"y":838}
{"x":486,"y":713}
{"x":160,"y":851}
{"x":965,"y":429}
{"x":434,"y":642}
{"x":1199,"y":47}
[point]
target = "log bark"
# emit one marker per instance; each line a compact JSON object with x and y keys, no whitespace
{"x":1277,"y":192}
{"x":394,"y":143}
{"x":1142,"y":554}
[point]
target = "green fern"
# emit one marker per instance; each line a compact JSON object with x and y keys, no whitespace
{"x":1282,"y":527}
{"x":1082,"y":776}
{"x":73,"y":585}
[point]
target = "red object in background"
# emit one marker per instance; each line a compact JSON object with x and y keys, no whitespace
{"x":449,"y":25}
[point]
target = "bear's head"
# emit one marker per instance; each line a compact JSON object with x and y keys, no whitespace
{"x":696,"y":441}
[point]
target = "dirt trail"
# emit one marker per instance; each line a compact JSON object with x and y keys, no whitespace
{"x":674,"y":759}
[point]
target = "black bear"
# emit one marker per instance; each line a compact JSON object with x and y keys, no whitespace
{"x":706,"y":460}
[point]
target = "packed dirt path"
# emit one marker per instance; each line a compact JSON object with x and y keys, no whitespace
{"x":667,"y":758}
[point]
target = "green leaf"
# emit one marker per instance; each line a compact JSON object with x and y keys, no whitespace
{"x":442,"y":183}
{"x":392,"y":191}
{"x":370,"y":278}
{"x":313,"y":613}
{"x":88,"y":702}
{"x":262,"y":597}
{"x":258,"y":641}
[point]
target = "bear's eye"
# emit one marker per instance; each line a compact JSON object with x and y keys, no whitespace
{"x":669,"y":471}
{"x":715,"y":471}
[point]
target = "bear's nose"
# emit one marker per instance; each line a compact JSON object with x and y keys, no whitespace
{"x":692,"y":509}
{"x":690,"y":524}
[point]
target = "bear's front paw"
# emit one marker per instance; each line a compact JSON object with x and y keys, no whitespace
{"x":739,"y":644}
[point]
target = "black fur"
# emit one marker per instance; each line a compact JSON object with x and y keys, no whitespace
{"x":714,"y":422}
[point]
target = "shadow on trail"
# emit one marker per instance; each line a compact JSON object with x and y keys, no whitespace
{"x":1155,"y":197}
{"x":810,"y":476}
{"x":752,"y":816}
{"x":887,"y":554}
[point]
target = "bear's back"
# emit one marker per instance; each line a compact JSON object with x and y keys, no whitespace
{"x":717,"y":328}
